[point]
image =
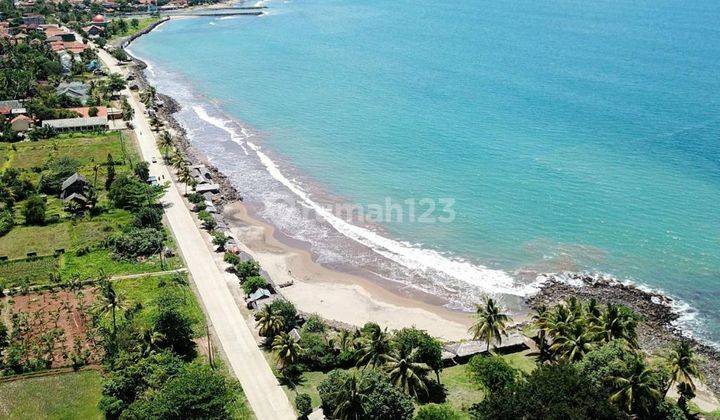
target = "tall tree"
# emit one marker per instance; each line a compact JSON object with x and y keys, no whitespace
{"x":351,"y":396}
{"x":288,"y":350}
{"x":684,"y":365}
{"x":376,"y":345}
{"x":634,"y":391}
{"x":406,"y":373}
{"x":490,"y":323}
{"x":270,"y":322}
{"x":110,"y":300}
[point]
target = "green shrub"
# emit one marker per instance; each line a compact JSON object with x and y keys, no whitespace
{"x":34,"y":210}
{"x":7,"y":221}
{"x":303,"y":404}
{"x":491,"y":372}
{"x":314,"y":324}
{"x":437,"y":412}
{"x":254,"y":283}
{"x":246,"y":269}
{"x":232,"y":259}
{"x":136,"y":242}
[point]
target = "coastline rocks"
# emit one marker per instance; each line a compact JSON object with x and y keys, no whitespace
{"x":656,"y":332}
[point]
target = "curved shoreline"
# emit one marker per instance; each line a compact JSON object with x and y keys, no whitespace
{"x":544,"y":290}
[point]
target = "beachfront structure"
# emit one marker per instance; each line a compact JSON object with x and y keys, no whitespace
{"x":75,"y":90}
{"x":78,"y":124}
{"x":458,"y":352}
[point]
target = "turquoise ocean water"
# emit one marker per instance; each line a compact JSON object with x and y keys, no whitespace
{"x":570,"y":135}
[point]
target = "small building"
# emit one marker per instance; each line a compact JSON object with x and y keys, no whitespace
{"x":114,"y":114}
{"x":99,"y":20}
{"x":78,"y":124}
{"x":74,"y":184}
{"x":75,"y":90}
{"x":94,"y":31}
{"x":256,"y":296}
{"x":33,"y":20}
{"x":11,"y":107}
{"x":461,"y":351}
{"x":78,"y":199}
{"x":21,"y":123}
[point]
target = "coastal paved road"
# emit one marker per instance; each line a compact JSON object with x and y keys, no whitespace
{"x":266,"y":397}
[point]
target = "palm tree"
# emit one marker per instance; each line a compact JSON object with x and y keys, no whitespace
{"x":345,"y":339}
{"x":542,"y":322}
{"x":374,"y":348}
{"x":351,"y":398}
{"x":639,"y":386}
{"x":185,"y":176}
{"x":287,"y":348}
{"x":575,"y":343}
{"x":110,"y":300}
{"x":683,"y":364}
{"x":269,"y":322}
{"x":406,"y":373}
{"x":490,"y":324}
{"x":165,"y":141}
{"x":617,"y":322}
{"x":178,"y":160}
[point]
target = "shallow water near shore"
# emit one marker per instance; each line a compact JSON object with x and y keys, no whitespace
{"x":571,"y":136}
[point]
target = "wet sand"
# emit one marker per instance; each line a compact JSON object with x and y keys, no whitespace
{"x":333,"y":294}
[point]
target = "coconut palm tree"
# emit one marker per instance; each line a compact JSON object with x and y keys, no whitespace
{"x":684,"y":365}
{"x":110,"y":300}
{"x":178,"y":160}
{"x":575,"y":343}
{"x":269,"y":322}
{"x":351,"y":398}
{"x":165,"y":142}
{"x":288,"y":350}
{"x":541,"y":320}
{"x":374,"y":348}
{"x":405,"y":372}
{"x":185,"y":176}
{"x":617,"y":322}
{"x":345,"y":340}
{"x":639,"y":386}
{"x":490,"y":324}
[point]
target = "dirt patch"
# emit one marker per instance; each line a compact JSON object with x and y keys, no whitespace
{"x":51,"y":329}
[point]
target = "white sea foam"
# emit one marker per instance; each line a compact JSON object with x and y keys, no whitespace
{"x":489,"y":280}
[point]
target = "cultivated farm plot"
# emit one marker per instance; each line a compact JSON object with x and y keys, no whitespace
{"x":52,"y":328}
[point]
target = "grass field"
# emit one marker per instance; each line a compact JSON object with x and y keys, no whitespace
{"x":27,"y":272}
{"x":68,"y":234}
{"x":86,"y":148}
{"x":146,"y":290}
{"x":64,"y":396}
{"x":461,"y":392}
{"x":143,"y":24}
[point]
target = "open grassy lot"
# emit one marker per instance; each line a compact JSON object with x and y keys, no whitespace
{"x":69,"y":235}
{"x":87,"y":148}
{"x":143,"y":24}
{"x":146,"y":290}
{"x":461,"y":392}
{"x":27,"y":271}
{"x":64,"y":396}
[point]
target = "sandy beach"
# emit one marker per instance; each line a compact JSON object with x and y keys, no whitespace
{"x":333,"y":294}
